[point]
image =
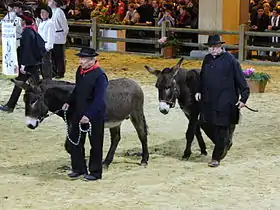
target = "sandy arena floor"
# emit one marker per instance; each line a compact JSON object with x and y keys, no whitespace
{"x":31,"y":176}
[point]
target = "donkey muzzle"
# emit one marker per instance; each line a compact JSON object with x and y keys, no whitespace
{"x":164,"y":107}
{"x":32,"y":123}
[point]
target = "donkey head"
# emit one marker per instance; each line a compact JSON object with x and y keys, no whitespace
{"x":168,"y":88}
{"x":35,"y":107}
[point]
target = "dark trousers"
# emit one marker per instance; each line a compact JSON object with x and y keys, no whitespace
{"x":58,"y":58}
{"x":34,"y":73}
{"x":77,"y":153}
{"x":46,"y":66}
{"x":220,"y":136}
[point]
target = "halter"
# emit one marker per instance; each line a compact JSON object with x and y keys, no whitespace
{"x":176,"y":92}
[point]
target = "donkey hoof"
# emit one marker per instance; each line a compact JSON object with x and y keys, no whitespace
{"x":203,"y":153}
{"x":186,"y":156}
{"x":105,"y":166}
{"x":144,"y":164}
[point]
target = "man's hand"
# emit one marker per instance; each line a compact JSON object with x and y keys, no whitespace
{"x":22,"y":69}
{"x":197,"y":96}
{"x":65,"y":107}
{"x":240,"y":104}
{"x":84,"y":120}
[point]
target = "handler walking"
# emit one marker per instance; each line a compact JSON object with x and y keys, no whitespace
{"x":28,"y":60}
{"x":222,"y":83}
{"x":87,"y":103}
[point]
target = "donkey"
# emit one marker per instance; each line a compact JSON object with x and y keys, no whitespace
{"x":124,"y":100}
{"x":178,"y":84}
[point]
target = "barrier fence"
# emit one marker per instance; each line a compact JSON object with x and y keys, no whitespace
{"x":242,"y":48}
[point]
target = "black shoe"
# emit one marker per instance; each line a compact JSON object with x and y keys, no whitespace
{"x":7,"y":109}
{"x":75,"y":175}
{"x":91,"y":178}
{"x":59,"y":77}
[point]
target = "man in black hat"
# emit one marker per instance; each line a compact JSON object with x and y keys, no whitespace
{"x":86,"y":105}
{"x":221,"y":84}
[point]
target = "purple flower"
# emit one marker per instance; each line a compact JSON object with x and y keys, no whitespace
{"x":248,"y":72}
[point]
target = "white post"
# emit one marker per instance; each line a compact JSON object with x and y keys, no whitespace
{"x":210,"y":17}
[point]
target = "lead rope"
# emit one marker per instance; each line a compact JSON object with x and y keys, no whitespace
{"x":80,"y":131}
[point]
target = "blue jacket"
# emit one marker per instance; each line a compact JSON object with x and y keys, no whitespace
{"x":89,"y":95}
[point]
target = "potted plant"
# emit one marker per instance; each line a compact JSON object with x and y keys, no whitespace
{"x":256,"y":80}
{"x":169,"y":45}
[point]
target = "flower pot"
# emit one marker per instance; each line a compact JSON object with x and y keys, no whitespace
{"x":256,"y":86}
{"x":169,"y":52}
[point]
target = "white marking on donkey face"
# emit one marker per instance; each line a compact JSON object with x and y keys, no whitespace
{"x":31,"y":121}
{"x":112,"y":124}
{"x":163,"y":107}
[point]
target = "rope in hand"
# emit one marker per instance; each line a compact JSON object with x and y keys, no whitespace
{"x":80,"y":130}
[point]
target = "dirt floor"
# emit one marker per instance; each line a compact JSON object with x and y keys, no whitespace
{"x":31,"y":166}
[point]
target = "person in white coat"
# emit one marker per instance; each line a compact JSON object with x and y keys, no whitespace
{"x":47,"y":30}
{"x":11,"y":15}
{"x":61,"y":32}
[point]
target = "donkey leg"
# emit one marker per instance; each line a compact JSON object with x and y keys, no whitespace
{"x":200,"y":140}
{"x":139,"y":122}
{"x":190,"y":136}
{"x":115,"y":134}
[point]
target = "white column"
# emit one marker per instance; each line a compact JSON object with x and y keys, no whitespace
{"x":210,"y":17}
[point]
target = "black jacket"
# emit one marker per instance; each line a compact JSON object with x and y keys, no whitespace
{"x":28,"y":48}
{"x":221,"y":83}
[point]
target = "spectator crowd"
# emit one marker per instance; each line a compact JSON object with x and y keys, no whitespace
{"x":264,"y":16}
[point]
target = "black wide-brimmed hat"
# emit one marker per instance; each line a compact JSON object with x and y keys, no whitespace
{"x":214,"y":40}
{"x":47,"y":8}
{"x":87,"y":52}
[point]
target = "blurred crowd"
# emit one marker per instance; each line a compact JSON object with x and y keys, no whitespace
{"x":180,"y":13}
{"x":264,"y":16}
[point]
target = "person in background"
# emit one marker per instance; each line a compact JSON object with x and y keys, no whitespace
{"x":29,"y":63}
{"x":11,"y":15}
{"x":87,"y":103}
{"x":61,"y":31}
{"x":132,"y":16}
{"x":146,"y":12}
{"x":46,"y":30}
{"x":259,"y":23}
{"x":167,"y":17}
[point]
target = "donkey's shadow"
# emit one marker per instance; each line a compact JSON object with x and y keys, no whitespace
{"x":173,"y":148}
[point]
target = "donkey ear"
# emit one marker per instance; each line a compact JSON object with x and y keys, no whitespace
{"x":152,"y":70}
{"x":21,"y":84}
{"x":176,"y":68}
{"x":178,"y":65}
